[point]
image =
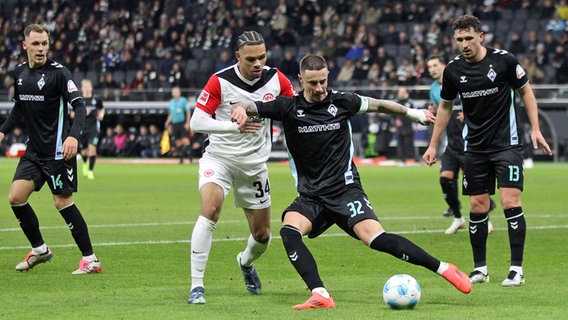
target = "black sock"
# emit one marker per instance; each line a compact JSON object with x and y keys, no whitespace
{"x":92,"y":160}
{"x":84,"y":157}
{"x":29,"y":224}
{"x":517,"y":228}
{"x":78,"y":228}
{"x":450,"y":189}
{"x":478,"y":238}
{"x":300,"y":256}
{"x":404,"y":249}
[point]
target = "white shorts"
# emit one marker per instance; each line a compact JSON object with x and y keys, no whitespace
{"x":250,"y":182}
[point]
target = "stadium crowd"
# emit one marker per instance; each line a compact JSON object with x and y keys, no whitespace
{"x":132,"y":49}
{"x":128,"y":45}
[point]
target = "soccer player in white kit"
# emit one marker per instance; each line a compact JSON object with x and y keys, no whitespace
{"x":233,"y":160}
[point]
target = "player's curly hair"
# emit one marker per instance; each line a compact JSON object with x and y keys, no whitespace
{"x":467,"y":21}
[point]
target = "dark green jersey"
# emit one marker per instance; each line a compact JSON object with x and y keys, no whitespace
{"x":319,"y":139}
{"x":41,"y":98}
{"x":487,"y":97}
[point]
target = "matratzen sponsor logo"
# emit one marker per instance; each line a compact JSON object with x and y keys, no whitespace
{"x":31,"y":97}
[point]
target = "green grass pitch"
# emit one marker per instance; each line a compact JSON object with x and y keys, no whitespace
{"x":141,"y":217}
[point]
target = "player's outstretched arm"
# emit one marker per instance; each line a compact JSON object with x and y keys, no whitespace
{"x":424,"y":116}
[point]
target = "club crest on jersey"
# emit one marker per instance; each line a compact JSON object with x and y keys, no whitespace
{"x":491,"y":74}
{"x":332,"y":109}
{"x":268,"y":97}
{"x":463,"y":79}
{"x":203,"y":97}
{"x":41,"y":82}
{"x":71,"y":87}
{"x":300,"y":113}
{"x":208,"y":173}
{"x":519,"y":71}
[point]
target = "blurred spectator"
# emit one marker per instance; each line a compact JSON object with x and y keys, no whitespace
{"x":541,"y":56}
{"x":556,"y":24}
{"x":150,"y":75}
{"x":382,"y":57}
{"x":374,"y":73}
{"x":333,"y":71}
{"x":562,"y":9}
{"x":15,"y":136}
{"x":119,"y":138}
{"x":108,"y":88}
{"x":356,"y":50}
{"x":359,"y":74}
{"x":534,"y":73}
{"x":516,"y":45}
{"x":106,"y":147}
{"x":224,"y":61}
{"x":346,"y":71}
{"x":550,"y":43}
{"x":560,"y":64}
{"x":489,"y":13}
{"x":405,"y":130}
{"x":532,"y":42}
{"x":177,"y":76}
{"x":405,"y":73}
{"x":391,"y":36}
{"x":144,"y":142}
{"x":371,"y":15}
{"x":289,"y":65}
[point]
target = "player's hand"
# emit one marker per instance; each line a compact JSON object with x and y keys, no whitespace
{"x":430,"y":156}
{"x":250,"y":126}
{"x":1,"y":136}
{"x":70,"y":146}
{"x":429,"y":118}
{"x":538,"y":139}
{"x":239,"y":114}
{"x":460,"y":117}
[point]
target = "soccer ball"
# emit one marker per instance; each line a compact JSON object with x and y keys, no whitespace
{"x":401,"y":291}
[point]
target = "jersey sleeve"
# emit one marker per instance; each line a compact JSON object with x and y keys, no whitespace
{"x":286,"y":87}
{"x":210,"y":97}
{"x":517,"y":74}
{"x":449,"y":91}
{"x":274,"y":109}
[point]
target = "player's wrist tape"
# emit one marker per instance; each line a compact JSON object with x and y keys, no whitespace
{"x":416,"y":115}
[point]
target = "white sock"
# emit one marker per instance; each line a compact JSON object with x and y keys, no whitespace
{"x":90,"y":258}
{"x":253,"y":251}
{"x":201,"y":240}
{"x":518,"y":269}
{"x":442,"y":268}
{"x":322,"y":291}
{"x":482,"y":269}
{"x":39,"y":250}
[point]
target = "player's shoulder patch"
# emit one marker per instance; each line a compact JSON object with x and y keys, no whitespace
{"x":203,"y":97}
{"x":71,"y":87}
{"x":519,"y":71}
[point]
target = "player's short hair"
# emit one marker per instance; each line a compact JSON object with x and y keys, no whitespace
{"x":467,"y":21}
{"x":35,"y":28}
{"x":436,"y":57}
{"x":249,"y":38}
{"x":312,"y":62}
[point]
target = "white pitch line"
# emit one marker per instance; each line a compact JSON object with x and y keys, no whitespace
{"x":175,"y":223}
{"x":154,"y":242}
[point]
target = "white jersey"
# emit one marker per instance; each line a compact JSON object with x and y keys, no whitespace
{"x":224,"y":89}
